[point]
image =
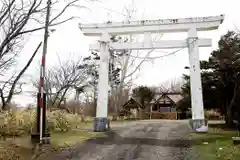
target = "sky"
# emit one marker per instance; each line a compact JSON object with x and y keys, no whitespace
{"x":68,"y":42}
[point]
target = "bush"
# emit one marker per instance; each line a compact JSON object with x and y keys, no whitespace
{"x":213,"y":115}
{"x":58,"y":120}
{"x":9,"y":154}
{"x":164,"y":115}
{"x":9,"y":126}
{"x":27,"y":120}
{"x":182,"y":115}
{"x":18,"y":122}
{"x":75,"y":120}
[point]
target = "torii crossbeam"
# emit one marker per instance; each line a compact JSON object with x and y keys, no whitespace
{"x":148,"y":45}
{"x":190,"y":25}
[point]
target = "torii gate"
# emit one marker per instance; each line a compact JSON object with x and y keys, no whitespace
{"x":190,"y":25}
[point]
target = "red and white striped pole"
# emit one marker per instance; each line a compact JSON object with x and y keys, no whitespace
{"x":42,"y":71}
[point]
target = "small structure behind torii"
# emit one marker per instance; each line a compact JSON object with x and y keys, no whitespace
{"x":147,"y":27}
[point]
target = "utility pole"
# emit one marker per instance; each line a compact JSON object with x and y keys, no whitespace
{"x":41,"y":116}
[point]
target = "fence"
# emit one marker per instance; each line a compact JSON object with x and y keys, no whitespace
{"x":164,"y":115}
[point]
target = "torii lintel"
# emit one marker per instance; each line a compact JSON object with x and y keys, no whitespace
{"x":161,"y":25}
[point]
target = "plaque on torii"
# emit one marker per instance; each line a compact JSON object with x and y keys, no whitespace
{"x":147,"y":27}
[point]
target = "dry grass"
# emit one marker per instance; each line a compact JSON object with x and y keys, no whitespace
{"x":22,"y":147}
{"x":16,"y":126}
{"x":213,"y":115}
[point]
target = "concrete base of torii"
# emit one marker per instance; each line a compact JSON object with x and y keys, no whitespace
{"x":198,"y":125}
{"x":101,"y":124}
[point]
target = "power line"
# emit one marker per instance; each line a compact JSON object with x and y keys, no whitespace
{"x":109,"y":9}
{"x":157,"y":57}
{"x":12,"y":82}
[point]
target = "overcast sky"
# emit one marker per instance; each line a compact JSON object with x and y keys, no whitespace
{"x":68,"y":41}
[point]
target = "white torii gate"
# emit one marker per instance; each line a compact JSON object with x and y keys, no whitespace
{"x":146,"y":27}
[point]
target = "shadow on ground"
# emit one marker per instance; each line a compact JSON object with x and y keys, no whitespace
{"x":222,"y":126}
{"x":112,"y":137}
{"x":219,"y":132}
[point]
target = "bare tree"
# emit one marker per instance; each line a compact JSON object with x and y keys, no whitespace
{"x":18,"y":19}
{"x":65,"y":78}
{"x":129,"y":64}
{"x":49,"y":86}
{"x":170,"y":86}
{"x":92,"y":67}
{"x":8,"y":89}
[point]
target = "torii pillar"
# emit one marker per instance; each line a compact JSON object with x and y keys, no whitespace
{"x":190,"y":25}
{"x":101,"y":122}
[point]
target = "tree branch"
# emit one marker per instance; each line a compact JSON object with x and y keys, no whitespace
{"x":11,"y":92}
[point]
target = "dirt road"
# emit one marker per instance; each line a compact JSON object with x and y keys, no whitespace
{"x":141,"y":140}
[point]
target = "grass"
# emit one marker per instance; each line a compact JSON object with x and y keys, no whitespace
{"x":216,"y":144}
{"x":70,"y":138}
{"x":23,"y":146}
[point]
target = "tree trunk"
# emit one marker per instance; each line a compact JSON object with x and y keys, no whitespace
{"x":238,"y":120}
{"x":114,"y":104}
{"x":114,"y":117}
{"x":62,"y":98}
{"x":11,"y":93}
{"x":94,"y":107}
{"x":141,"y":111}
{"x":229,"y":118}
{"x":229,"y":114}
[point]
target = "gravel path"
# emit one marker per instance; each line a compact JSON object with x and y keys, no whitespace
{"x":142,"y":140}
